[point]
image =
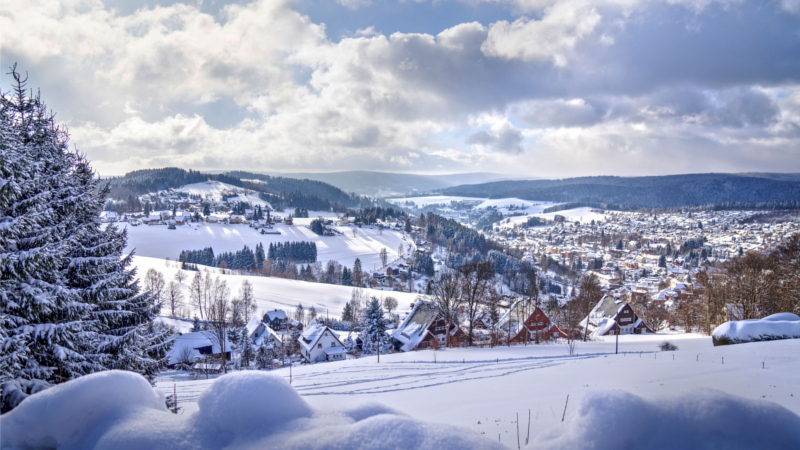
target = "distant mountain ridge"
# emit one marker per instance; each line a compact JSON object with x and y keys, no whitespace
{"x":365,"y":182}
{"x":712,"y":190}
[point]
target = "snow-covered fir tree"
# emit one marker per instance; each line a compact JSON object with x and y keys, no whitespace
{"x":196,"y":325}
{"x":373,"y":328}
{"x":69,"y":305}
{"x":246,"y":348}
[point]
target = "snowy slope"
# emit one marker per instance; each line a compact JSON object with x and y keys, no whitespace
{"x":421,"y":202}
{"x":584,"y":215}
{"x":159,"y":242}
{"x":210,"y":189}
{"x":483,"y":389}
{"x":277,"y":293}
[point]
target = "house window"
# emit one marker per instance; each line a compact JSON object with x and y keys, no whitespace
{"x":319,"y":345}
{"x":333,"y":344}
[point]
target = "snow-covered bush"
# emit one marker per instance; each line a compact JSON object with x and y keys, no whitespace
{"x":771,"y":328}
{"x":701,"y":419}
{"x":249,"y":409}
{"x":667,"y":346}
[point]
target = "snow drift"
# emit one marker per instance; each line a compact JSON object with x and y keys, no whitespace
{"x":770,"y":328}
{"x":701,"y":419}
{"x":244,"y":410}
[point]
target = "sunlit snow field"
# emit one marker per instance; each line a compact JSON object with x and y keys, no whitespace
{"x":159,"y":242}
{"x":484,"y":389}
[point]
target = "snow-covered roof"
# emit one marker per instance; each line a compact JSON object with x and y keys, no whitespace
{"x":313,"y":332}
{"x":413,"y":329}
{"x":276,"y":314}
{"x":192,"y":342}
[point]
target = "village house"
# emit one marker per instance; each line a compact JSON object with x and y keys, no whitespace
{"x":422,"y":326}
{"x":537,"y":327}
{"x":318,"y":343}
{"x":613,"y":316}
{"x":193,"y":347}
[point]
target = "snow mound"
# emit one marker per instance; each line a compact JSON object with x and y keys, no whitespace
{"x":64,"y":415}
{"x":701,"y":419}
{"x":245,"y":410}
{"x":257,"y":396}
{"x":771,"y":328}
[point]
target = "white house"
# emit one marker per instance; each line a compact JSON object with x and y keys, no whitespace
{"x":319,"y":343}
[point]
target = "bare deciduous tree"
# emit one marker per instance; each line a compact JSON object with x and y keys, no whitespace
{"x":154,"y":282}
{"x":180,"y":276}
{"x":248,"y":301}
{"x":196,"y":293}
{"x":589,"y":294}
{"x":219,"y":310}
{"x":446,"y":299}
{"x":476,"y":283}
{"x":174,"y":296}
{"x":389,"y":303}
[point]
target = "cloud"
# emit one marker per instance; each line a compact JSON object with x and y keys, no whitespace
{"x":617,"y":85}
{"x":503,"y":137}
{"x":552,"y":38}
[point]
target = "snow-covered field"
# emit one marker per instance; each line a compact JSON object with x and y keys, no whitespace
{"x":484,"y":389}
{"x":276,"y":293}
{"x":421,"y":202}
{"x":572,"y":215}
{"x":211,"y":189}
{"x":159,"y":242}
{"x":503,"y":205}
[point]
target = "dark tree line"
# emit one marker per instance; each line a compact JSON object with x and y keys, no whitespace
{"x":370,"y":215}
{"x":297,"y":252}
{"x":709,"y":191}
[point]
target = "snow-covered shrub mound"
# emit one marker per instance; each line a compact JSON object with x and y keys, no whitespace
{"x":701,"y":419}
{"x":244,"y":410}
{"x":67,"y":414}
{"x":770,"y":328}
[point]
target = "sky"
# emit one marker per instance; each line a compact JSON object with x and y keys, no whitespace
{"x":540,"y":88}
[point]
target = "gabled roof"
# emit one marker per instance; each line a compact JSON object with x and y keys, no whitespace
{"x":313,"y":333}
{"x":192,"y":342}
{"x":413,"y":329}
{"x":276,"y":314}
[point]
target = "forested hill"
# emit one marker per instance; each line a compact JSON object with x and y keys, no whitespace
{"x":295,"y":192}
{"x":304,"y":186}
{"x":756,"y":190}
{"x":145,"y":181}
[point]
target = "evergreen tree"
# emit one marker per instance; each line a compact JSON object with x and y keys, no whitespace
{"x":147,"y":209}
{"x":246,"y":348}
{"x":265,"y":356}
{"x":347,"y":279}
{"x":206,"y":209}
{"x":349,"y":344}
{"x":347,"y":313}
{"x":662,"y":261}
{"x":373,"y":327}
{"x":69,"y":305}
{"x":259,"y":256}
{"x":196,"y":325}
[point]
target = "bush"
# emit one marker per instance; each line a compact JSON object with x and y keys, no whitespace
{"x":667,"y":346}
